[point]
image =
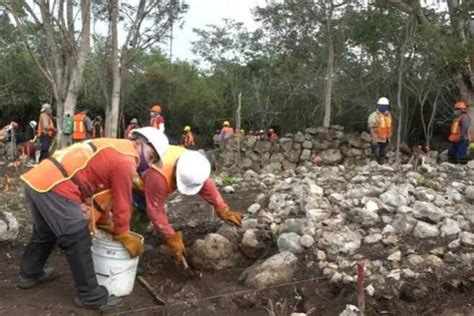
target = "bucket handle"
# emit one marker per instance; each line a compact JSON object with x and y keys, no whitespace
{"x":112,"y":274}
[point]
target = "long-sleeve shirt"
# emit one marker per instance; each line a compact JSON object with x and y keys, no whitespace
{"x":156,"y":192}
{"x":158,"y":122}
{"x":108,"y":169}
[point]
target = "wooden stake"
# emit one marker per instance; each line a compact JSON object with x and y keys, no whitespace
{"x":360,"y":288}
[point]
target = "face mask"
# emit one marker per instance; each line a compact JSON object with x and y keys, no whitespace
{"x":143,"y":166}
{"x":383,"y":108}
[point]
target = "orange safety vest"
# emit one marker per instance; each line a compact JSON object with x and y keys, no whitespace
{"x":65,"y":163}
{"x":167,"y":166}
{"x":455,"y":135}
{"x":79,"y":130}
{"x":384,"y":125}
{"x":51,"y":128}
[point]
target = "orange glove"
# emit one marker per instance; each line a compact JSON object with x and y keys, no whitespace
{"x":132,"y":243}
{"x":108,"y":226}
{"x":176,"y":247}
{"x":234,"y":218}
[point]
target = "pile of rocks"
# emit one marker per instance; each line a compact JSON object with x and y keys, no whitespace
{"x":403,"y":225}
{"x":299,"y":149}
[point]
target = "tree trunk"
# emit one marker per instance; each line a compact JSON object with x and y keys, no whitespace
{"x":112,"y":110}
{"x":237,"y":125}
{"x":403,"y":49}
{"x":330,"y":73}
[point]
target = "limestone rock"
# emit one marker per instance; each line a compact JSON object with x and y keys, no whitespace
{"x":254,"y":208}
{"x":331,"y":156}
{"x":305,"y":154}
{"x":277,"y":269}
{"x":298,"y":137}
{"x":393,"y":198}
{"x":289,"y":242}
{"x":8,"y":226}
{"x":215,"y":252}
{"x":450,"y":227}
{"x":469,"y":193}
{"x":250,"y":244}
{"x":425,"y":230}
{"x":467,"y":239}
{"x":345,"y":241}
{"x":307,"y":241}
{"x":293,"y":225}
{"x":427,"y":211}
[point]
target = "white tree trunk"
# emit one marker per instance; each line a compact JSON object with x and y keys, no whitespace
{"x":329,"y":75}
{"x":112,"y":110}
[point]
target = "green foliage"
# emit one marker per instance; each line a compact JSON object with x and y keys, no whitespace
{"x":228,"y":179}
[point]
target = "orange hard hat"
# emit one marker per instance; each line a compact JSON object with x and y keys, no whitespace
{"x":460,"y":105}
{"x":156,"y":109}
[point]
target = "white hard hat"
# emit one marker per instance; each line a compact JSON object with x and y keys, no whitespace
{"x":383,"y":101}
{"x":33,"y":124}
{"x":192,"y":170}
{"x":156,"y":138}
{"x":45,"y":106}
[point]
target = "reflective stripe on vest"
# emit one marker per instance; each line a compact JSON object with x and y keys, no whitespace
{"x":64,"y":164}
{"x":384,"y":126}
{"x":79,"y":129}
{"x":167,"y":166}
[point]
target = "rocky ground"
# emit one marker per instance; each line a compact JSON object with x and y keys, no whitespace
{"x":303,"y":234}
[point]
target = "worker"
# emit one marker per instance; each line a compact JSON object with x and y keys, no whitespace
{"x":380,"y":127}
{"x":226,"y":131}
{"x":45,"y":130}
{"x":157,"y":120}
{"x":272,"y":136}
{"x":187,"y":171}
{"x":217,"y":138}
{"x":82,"y":126}
{"x":29,"y":147}
{"x":60,"y":188}
{"x":242,"y":132}
{"x":131,"y":126}
{"x":97,"y":127}
{"x":459,"y":136}
{"x":68,"y":128}
{"x":188,"y":138}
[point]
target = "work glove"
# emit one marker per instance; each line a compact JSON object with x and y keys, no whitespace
{"x":230,"y":217}
{"x":132,"y":243}
{"x":176,"y":247}
{"x":107,"y":226}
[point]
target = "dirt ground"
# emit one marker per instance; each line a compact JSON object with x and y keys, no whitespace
{"x":208,"y":293}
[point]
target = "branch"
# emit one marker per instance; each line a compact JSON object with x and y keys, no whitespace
{"x":45,"y":72}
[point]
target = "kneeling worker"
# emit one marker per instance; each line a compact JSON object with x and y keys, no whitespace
{"x":188,"y":171}
{"x":60,"y":187}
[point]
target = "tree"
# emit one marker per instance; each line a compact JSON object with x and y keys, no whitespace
{"x":146,"y":23}
{"x":61,"y":52}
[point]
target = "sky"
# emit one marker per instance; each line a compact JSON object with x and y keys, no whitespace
{"x":207,"y":12}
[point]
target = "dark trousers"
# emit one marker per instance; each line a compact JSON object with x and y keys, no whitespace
{"x":71,"y":236}
{"x":45,"y":142}
{"x":380,"y":150}
{"x":457,"y":153}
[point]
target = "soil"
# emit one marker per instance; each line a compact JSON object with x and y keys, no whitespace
{"x":208,"y":293}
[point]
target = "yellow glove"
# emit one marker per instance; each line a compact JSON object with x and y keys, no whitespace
{"x":230,"y":217}
{"x":132,"y":243}
{"x":176,"y":247}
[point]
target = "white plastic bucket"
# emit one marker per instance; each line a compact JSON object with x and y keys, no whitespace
{"x":113,"y":266}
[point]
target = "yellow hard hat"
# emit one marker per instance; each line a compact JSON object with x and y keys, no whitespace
{"x":226,"y":123}
{"x":187,"y":128}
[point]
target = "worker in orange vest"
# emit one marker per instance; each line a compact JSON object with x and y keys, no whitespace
{"x":97,"y":127}
{"x":459,"y":136}
{"x":157,"y":120}
{"x":188,"y":138}
{"x":187,"y":171}
{"x":226,"y":131}
{"x":61,"y":188}
{"x":380,"y":127}
{"x":131,"y":126}
{"x":82,"y":126}
{"x":45,"y":130}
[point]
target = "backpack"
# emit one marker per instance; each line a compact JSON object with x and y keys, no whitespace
{"x":67,"y":125}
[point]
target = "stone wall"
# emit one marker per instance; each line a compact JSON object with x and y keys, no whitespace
{"x":299,"y":149}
